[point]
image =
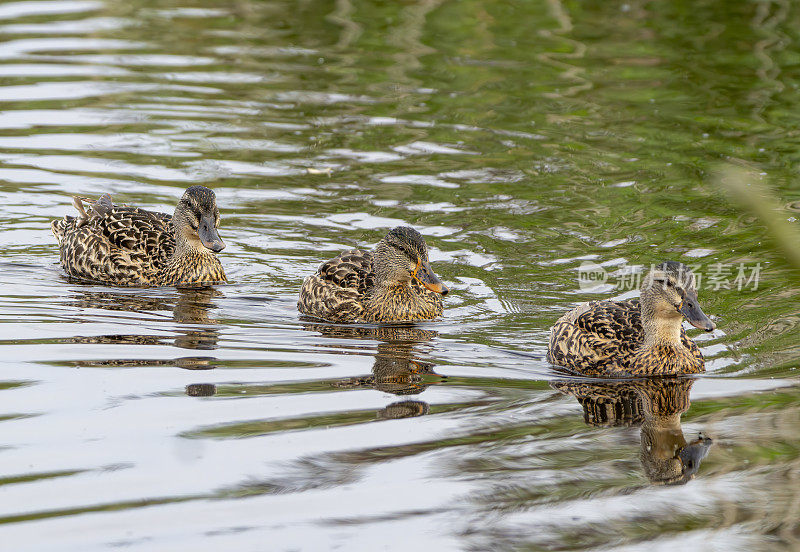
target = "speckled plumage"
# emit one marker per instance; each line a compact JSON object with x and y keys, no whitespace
{"x":642,"y":337}
{"x":605,"y":338}
{"x":129,"y":246}
{"x":347,"y":289}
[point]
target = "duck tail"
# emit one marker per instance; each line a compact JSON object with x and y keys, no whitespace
{"x":59,"y":228}
{"x":103,"y":206}
{"x":83,"y":217}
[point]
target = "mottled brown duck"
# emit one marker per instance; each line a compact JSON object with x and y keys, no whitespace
{"x":128,"y":246}
{"x":392,"y":283}
{"x":642,"y":337}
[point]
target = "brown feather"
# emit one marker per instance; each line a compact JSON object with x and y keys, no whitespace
{"x":605,"y":338}
{"x":343,"y":290}
{"x":129,"y":246}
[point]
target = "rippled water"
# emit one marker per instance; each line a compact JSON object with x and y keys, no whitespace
{"x":522,"y":140}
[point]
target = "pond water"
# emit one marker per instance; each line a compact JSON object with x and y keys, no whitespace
{"x":523,"y":140}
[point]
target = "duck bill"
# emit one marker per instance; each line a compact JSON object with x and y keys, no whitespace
{"x":692,"y":455}
{"x":691,"y":310}
{"x":209,"y":236}
{"x":430,"y":280}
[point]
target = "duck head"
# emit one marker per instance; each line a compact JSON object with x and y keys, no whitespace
{"x":196,"y":219}
{"x":669,"y":292}
{"x":402,"y":256}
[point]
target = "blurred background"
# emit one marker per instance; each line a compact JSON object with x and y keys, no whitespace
{"x":522,"y":139}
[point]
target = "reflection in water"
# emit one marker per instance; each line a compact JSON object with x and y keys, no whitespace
{"x":656,"y":404}
{"x":396,"y":369}
{"x":190,"y":306}
{"x":396,"y":372}
{"x":322,"y":125}
{"x":390,"y":333}
{"x":404,"y":409}
{"x":201,"y":389}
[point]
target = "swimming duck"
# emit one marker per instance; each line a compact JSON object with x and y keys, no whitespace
{"x":392,"y":283}
{"x":127,"y":246}
{"x":642,"y":337}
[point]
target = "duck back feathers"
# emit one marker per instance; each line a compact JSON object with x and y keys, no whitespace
{"x":351,"y":269}
{"x":336,"y":291}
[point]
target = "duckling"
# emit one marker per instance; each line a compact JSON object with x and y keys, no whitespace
{"x":392,"y":283}
{"x":635,"y":338}
{"x":127,"y":246}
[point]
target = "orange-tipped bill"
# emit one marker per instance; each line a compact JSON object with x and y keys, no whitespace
{"x":424,"y":275}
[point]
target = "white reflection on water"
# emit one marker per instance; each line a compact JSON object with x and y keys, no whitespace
{"x":24,"y":46}
{"x":67,"y":27}
{"x":13,"y":10}
{"x":53,"y":70}
{"x":68,"y":90}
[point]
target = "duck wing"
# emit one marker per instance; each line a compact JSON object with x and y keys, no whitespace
{"x":614,"y":320}
{"x":351,"y":269}
{"x":337,"y":290}
{"x":114,"y":244}
{"x":595,"y":335}
{"x":133,"y":229}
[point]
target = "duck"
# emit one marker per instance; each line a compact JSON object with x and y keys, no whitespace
{"x":125,"y":246}
{"x":392,"y":283}
{"x":633,"y":338}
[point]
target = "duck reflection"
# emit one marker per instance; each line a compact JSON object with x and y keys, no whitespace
{"x":389,"y":333}
{"x":201,"y":389}
{"x":397,"y":368}
{"x":656,"y":405}
{"x":188,"y":306}
{"x":193,"y":307}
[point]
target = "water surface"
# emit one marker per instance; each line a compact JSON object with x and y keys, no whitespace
{"x":521,"y":139}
